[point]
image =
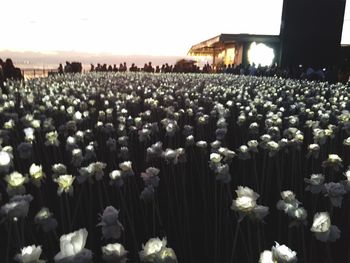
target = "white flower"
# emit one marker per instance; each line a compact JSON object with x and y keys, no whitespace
{"x":300,"y":214}
{"x":5,"y":161}
{"x":65,"y":184}
{"x":97,"y":169}
{"x":253,"y":146}
{"x":15,"y":179}
{"x":323,"y":229}
{"x":347,"y":174}
{"x":228,"y":154}
{"x":189,"y":140}
{"x":18,"y":206}
{"x":166,"y":255}
{"x":72,"y":245}
{"x":77,"y":157}
{"x":215,"y":144}
{"x":10,"y":124}
{"x":15,"y":183}
{"x":335,"y":191}
{"x":202,"y":144}
{"x":246,"y":191}
{"x":45,"y":220}
{"x":29,"y":254}
{"x":111,"y":227}
{"x":273,"y":147}
{"x":243,"y":152}
{"x":283,"y":254}
{"x":245,"y":204}
{"x":288,"y":203}
{"x":215,"y":158}
{"x":29,"y":134}
{"x":333,"y":161}
{"x":59,"y":169}
{"x":315,"y":183}
{"x":170,"y":155}
{"x":36,"y":173}
{"x":114,"y":253}
{"x":152,"y":248}
{"x":346,"y":141}
{"x":266,"y":257}
{"x":116,"y":177}
{"x":314,"y":150}
{"x":322,"y":222}
{"x":52,"y":138}
{"x":126,"y":168}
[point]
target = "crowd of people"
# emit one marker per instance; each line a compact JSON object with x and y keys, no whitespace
{"x":181,"y":66}
{"x":330,"y":74}
{"x":70,"y":67}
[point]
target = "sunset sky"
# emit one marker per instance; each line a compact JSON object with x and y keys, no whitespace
{"x":132,"y":27}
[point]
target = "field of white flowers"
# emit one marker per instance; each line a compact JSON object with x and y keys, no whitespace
{"x":137,"y":167}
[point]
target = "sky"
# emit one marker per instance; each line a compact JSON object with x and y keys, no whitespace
{"x":130,"y":27}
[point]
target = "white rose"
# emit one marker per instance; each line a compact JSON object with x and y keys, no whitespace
{"x":282,"y":253}
{"x":151,"y":248}
{"x":36,"y":171}
{"x":29,"y":134}
{"x":15,"y":179}
{"x":166,"y":255}
{"x":246,"y":191}
{"x":201,"y":144}
{"x":215,"y":158}
{"x":347,"y":175}
{"x":65,"y":184}
{"x":72,"y":244}
{"x":5,"y":161}
{"x":114,"y":253}
{"x":244,"y":203}
{"x":266,"y":257}
{"x":115,"y":175}
{"x":288,"y":196}
{"x":125,"y":166}
{"x":321,"y":223}
{"x":29,"y":254}
{"x":334,"y":158}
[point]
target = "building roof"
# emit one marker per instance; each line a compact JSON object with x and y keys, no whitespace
{"x":218,"y":43}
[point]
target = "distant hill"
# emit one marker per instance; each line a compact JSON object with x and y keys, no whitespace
{"x":49,"y":60}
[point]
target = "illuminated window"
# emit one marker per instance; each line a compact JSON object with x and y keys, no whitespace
{"x":260,"y":54}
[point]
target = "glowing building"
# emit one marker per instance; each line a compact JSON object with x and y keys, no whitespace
{"x":236,"y":49}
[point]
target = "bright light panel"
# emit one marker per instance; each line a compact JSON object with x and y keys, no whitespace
{"x":260,"y":54}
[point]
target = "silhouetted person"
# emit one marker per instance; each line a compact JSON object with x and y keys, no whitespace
{"x":133,"y":68}
{"x":92,"y":67}
{"x":60,"y":69}
{"x":10,"y":72}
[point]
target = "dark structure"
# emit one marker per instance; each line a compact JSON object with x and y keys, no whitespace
{"x":311,"y":32}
